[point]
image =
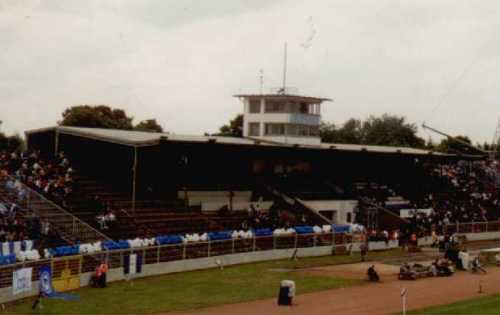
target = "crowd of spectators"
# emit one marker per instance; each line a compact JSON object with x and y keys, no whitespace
{"x":256,"y":218}
{"x":457,"y":192}
{"x":460,"y":192}
{"x":468,"y":193}
{"x":279,"y":215}
{"x":50,"y":177}
{"x":15,"y":226}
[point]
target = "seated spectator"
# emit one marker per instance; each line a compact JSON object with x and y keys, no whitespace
{"x":105,"y":219}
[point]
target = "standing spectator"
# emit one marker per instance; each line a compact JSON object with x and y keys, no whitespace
{"x":103,"y":268}
{"x":363,"y":250}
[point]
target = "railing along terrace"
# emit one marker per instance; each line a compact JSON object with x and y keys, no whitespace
{"x":63,"y":221}
{"x":178,"y":252}
{"x":472,"y":227}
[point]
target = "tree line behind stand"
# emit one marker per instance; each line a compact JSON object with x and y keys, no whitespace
{"x":387,"y":130}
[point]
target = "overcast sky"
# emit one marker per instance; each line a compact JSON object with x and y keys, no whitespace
{"x":181,"y":61}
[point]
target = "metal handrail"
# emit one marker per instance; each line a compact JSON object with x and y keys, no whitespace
{"x":76,"y":221}
{"x":457,"y":225}
{"x":295,"y":236}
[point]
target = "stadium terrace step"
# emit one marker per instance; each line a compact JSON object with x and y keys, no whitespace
{"x":69,"y":226}
{"x":150,"y":216}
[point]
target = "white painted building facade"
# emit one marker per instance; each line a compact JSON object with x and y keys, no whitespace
{"x":282,"y":118}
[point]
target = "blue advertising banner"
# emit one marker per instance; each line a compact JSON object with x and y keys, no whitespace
{"x":48,"y":291}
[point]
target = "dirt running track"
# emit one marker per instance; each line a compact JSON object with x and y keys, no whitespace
{"x":373,"y":299}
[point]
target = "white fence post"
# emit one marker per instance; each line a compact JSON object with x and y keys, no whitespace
{"x":158,"y":254}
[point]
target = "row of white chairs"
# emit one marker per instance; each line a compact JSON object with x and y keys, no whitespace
{"x":195,"y":237}
{"x":283,"y":232}
{"x":8,"y":248}
{"x":242,"y":234}
{"x":26,"y":255}
{"x":142,"y":242}
{"x":91,"y":248}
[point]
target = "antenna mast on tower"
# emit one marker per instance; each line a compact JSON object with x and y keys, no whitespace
{"x":261,"y":80}
{"x":284,"y":69}
{"x":496,"y":142}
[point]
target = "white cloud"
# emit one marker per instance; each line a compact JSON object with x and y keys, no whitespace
{"x":180,"y":62}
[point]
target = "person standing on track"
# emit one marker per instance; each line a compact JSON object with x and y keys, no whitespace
{"x":363,"y":250}
{"x":102,"y":270}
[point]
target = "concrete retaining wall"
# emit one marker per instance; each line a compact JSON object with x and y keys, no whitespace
{"x":485,"y":236}
{"x":383,"y":245}
{"x":233,"y":259}
{"x":228,"y":260}
{"x":424,"y":241}
{"x":184,"y":265}
{"x":482,"y":236}
{"x":7,"y":296}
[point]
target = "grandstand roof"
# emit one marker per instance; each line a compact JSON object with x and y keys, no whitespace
{"x":141,"y":138}
{"x":285,"y":96}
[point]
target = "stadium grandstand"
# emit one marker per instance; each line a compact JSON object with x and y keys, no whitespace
{"x":279,"y":210}
{"x":79,"y":197}
{"x":103,"y":184}
{"x":162,"y":183}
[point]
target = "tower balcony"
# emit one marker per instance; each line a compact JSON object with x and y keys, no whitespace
{"x":284,"y":118}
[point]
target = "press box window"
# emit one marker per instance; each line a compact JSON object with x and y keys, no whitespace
{"x":275,"y":107}
{"x":275,"y":129}
{"x":254,"y":129}
{"x":254,"y":106}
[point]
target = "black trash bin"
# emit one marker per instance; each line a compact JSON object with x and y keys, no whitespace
{"x":287,"y":292}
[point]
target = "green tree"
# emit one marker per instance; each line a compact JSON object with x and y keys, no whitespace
{"x":385,"y":130}
{"x":100,"y":116}
{"x":487,"y":146}
{"x":233,"y":129}
{"x":457,"y":145}
{"x":391,"y":131}
{"x":328,"y":132}
{"x":4,"y":141}
{"x":16,"y":143}
{"x":351,"y":132}
{"x":149,"y":125}
{"x":11,"y":143}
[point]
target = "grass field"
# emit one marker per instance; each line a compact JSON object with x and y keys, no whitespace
{"x":487,"y":305}
{"x":190,"y":290}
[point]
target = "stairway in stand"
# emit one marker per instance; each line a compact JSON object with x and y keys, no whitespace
{"x":151,"y":217}
{"x":70,"y":227}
